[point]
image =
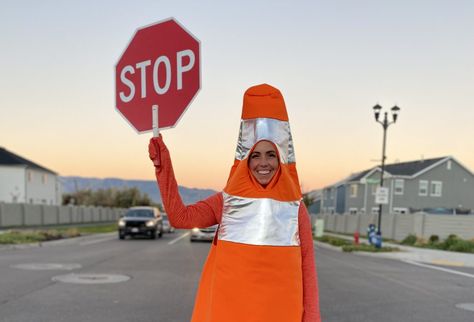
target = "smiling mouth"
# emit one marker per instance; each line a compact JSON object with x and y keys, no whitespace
{"x":263,"y":172}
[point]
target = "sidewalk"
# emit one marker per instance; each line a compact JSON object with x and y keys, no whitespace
{"x":423,"y":255}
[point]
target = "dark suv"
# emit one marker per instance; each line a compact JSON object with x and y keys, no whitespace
{"x":146,"y":221}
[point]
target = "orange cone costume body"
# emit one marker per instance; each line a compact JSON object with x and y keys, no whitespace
{"x":261,"y":264}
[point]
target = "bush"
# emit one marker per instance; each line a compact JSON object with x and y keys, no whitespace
{"x":450,"y":241}
{"x":72,"y":232}
{"x":434,"y":239}
{"x":409,"y":240}
{"x":463,"y":246}
{"x":50,"y":234}
{"x":333,"y":241}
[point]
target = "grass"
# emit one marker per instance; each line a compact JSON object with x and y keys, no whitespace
{"x":368,"y":248}
{"x":25,"y":236}
{"x":348,"y":246}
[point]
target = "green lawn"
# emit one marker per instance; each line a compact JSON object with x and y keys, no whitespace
{"x":24,"y":236}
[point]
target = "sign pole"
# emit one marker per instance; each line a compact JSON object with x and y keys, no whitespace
{"x":156,"y":129}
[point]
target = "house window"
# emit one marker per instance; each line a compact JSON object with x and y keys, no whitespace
{"x":362,"y":211}
{"x":30,"y":176}
{"x":374,"y":188}
{"x":423,"y":188}
{"x":436,"y":188}
{"x":353,"y":211}
{"x":375,"y":210}
{"x":399,"y":186}
{"x":44,"y":178}
{"x":448,"y":165}
{"x":353,"y":190}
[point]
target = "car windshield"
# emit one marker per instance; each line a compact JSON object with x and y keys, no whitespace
{"x":140,"y":213}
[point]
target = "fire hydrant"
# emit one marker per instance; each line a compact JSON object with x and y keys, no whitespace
{"x":356,"y":237}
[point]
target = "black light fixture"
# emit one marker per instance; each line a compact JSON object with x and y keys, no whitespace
{"x":377,"y":109}
{"x":395,"y":111}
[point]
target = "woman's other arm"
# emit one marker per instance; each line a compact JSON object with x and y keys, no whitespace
{"x":310,"y":279}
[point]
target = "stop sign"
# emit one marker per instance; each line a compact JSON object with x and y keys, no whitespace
{"x":160,"y":66}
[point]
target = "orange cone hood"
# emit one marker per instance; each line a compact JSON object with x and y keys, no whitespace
{"x":264,"y":117}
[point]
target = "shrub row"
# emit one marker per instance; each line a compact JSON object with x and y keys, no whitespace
{"x":451,"y":243}
{"x":348,"y":246}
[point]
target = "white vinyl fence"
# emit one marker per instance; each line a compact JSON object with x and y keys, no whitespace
{"x":399,"y":226}
{"x":26,"y":215}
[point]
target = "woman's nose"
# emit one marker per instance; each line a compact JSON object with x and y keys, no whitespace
{"x":264,"y":162}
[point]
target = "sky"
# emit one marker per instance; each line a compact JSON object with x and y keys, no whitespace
{"x":332,"y":61}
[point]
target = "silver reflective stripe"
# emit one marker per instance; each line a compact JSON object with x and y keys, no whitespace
{"x":254,"y":130}
{"x":259,"y":221}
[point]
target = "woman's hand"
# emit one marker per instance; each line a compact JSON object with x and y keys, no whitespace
{"x":154,"y":150}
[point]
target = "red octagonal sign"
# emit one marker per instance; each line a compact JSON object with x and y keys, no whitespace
{"x":160,"y":66}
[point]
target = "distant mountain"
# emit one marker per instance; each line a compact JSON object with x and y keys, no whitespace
{"x":189,"y":195}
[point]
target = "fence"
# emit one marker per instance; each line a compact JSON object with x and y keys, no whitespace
{"x":398,"y":226}
{"x":26,"y":215}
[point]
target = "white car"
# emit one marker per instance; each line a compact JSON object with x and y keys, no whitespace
{"x":167,"y":228}
{"x":206,"y":234}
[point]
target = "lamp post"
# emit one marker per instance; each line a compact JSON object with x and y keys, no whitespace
{"x":385,"y":124}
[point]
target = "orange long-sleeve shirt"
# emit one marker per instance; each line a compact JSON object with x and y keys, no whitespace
{"x":208,"y":212}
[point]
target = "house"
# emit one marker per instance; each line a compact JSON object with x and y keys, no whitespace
{"x":23,"y":181}
{"x":438,"y":183}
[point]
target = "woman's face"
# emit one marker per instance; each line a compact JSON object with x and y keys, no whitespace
{"x":263,"y":162}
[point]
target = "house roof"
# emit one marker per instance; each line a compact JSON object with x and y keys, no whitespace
{"x":9,"y":158}
{"x":410,"y":168}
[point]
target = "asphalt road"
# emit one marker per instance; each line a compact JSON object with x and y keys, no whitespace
{"x":163,"y":276}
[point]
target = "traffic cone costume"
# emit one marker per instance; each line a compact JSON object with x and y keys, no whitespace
{"x":260,"y":267}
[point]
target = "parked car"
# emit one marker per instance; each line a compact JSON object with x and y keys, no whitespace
{"x":206,"y":234}
{"x":167,"y":228}
{"x":145,"y":221}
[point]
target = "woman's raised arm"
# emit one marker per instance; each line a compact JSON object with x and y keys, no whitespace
{"x":204,"y":213}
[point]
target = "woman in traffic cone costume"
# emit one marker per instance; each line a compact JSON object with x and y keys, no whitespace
{"x":261,"y":266}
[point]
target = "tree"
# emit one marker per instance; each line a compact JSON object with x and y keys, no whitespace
{"x":308,"y":200}
{"x":112,"y":197}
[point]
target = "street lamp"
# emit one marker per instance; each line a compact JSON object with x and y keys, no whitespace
{"x":385,"y":124}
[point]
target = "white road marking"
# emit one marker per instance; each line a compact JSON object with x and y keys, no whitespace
{"x":179,"y":238}
{"x":447,"y":270}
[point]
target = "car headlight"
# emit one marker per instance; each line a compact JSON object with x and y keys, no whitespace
{"x":121,"y":223}
{"x":150,"y":223}
{"x":195,"y":230}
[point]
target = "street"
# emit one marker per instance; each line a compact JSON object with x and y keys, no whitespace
{"x":155,"y":280}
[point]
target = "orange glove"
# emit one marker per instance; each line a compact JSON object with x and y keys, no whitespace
{"x":154,"y":150}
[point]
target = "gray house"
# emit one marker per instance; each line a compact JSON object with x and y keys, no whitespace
{"x":432,"y":185}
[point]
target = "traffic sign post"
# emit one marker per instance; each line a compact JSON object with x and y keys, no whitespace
{"x":159,"y":67}
{"x":381,"y":195}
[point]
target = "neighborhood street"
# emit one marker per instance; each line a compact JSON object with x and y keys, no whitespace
{"x":155,"y":280}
